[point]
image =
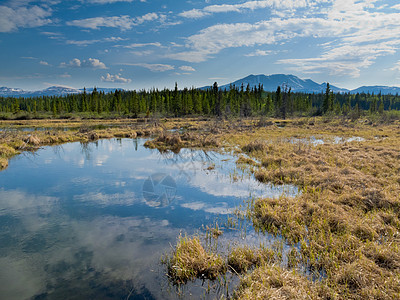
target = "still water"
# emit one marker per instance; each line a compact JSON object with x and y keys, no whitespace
{"x":91,"y":221}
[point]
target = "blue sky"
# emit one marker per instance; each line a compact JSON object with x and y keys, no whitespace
{"x":135,"y":44}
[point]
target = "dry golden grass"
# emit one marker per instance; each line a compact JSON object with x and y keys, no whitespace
{"x":273,"y":282}
{"x":175,"y":141}
{"x":246,"y":161}
{"x":345,"y":222}
{"x":242,"y":258}
{"x":347,"y":216}
{"x":3,"y":163}
{"x":190,"y":261}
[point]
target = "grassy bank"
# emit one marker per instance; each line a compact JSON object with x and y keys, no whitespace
{"x":342,"y":229}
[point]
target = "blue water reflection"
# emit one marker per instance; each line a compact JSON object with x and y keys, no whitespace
{"x":75,"y":225}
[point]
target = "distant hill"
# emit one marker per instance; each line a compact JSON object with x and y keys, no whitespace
{"x":50,"y":91}
{"x":376,"y":89}
{"x":271,"y":82}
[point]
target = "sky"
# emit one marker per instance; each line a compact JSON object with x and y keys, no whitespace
{"x":141,"y":44}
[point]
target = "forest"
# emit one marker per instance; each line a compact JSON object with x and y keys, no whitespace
{"x":234,"y":102}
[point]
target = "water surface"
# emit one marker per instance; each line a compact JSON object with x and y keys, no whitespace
{"x":91,"y":221}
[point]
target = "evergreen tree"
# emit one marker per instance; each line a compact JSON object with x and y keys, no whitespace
{"x":326,"y":105}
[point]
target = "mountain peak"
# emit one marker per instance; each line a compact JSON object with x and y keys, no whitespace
{"x":271,"y":82}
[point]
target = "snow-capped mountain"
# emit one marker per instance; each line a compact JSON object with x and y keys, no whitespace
{"x":50,"y":91}
{"x":271,"y":82}
{"x":5,"y":91}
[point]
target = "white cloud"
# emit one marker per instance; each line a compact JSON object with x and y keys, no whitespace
{"x":53,"y":35}
{"x":76,"y":63}
{"x":396,"y":67}
{"x":250,"y":5}
{"x":82,"y":43}
{"x":216,"y":38}
{"x":85,"y":43}
{"x":122,"y":22}
{"x":92,"y":63}
{"x":44,"y":63}
{"x":141,"y":45}
{"x":361,"y":33}
{"x":146,"y":18}
{"x":114,"y":39}
{"x":347,"y":59}
{"x":142,"y":53}
{"x":115,"y":78}
{"x":194,"y":14}
{"x":153,"y":67}
{"x":107,"y":1}
{"x":187,"y":68}
{"x":259,"y":53}
{"x":11,"y":19}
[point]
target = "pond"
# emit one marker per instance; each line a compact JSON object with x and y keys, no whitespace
{"x":91,"y":221}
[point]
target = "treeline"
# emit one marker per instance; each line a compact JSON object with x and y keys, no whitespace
{"x":236,"y":102}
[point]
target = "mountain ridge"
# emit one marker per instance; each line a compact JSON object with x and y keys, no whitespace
{"x":269,"y":82}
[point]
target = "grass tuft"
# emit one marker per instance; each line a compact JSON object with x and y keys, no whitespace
{"x":273,"y":282}
{"x":255,"y":146}
{"x":190,"y":261}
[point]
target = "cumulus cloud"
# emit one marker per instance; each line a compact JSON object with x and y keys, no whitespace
{"x":92,"y":63}
{"x":23,"y":17}
{"x":44,"y":63}
{"x":187,"y":68}
{"x":146,"y":18}
{"x":117,"y":78}
{"x":153,"y":67}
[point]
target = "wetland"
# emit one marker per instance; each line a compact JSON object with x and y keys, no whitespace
{"x":195,"y":207}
